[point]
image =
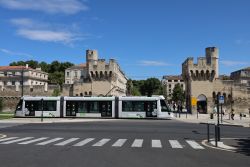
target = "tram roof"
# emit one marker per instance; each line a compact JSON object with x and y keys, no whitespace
{"x":91,"y":98}
{"x":40,"y":98}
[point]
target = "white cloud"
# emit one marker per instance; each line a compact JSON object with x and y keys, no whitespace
{"x":152,"y":63}
{"x":233,"y":63}
{"x":13,"y":53}
{"x":47,"y":6}
{"x":39,"y":31}
{"x":47,"y":35}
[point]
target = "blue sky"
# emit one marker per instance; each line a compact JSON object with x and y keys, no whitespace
{"x":149,"y":38}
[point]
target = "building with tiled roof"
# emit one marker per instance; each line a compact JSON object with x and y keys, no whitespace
{"x":170,"y":81}
{"x":16,"y":75}
{"x":241,"y":76}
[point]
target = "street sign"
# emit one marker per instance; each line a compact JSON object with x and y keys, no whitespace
{"x":194,"y":101}
{"x":221,"y":99}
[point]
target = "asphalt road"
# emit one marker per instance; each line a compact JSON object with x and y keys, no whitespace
{"x":117,"y":143}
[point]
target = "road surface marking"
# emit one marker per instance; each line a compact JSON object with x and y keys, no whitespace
{"x":119,"y":142}
{"x":66,"y":142}
{"x":101,"y":142}
{"x":175,"y":144}
{"x":33,"y":141}
{"x":17,"y":140}
{"x":9,"y":138}
{"x":156,"y":144}
{"x":49,"y":141}
{"x":81,"y":143}
{"x":194,"y":144}
{"x":137,"y":143}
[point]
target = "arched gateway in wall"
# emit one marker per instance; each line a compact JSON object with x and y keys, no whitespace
{"x":202,"y":104}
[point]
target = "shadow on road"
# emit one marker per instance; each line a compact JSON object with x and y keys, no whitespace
{"x":243,"y":146}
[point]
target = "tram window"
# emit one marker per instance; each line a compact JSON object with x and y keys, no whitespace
{"x":133,"y":106}
{"x":127,"y":106}
{"x":138,"y":105}
{"x":164,"y":106}
{"x":150,"y":105}
{"x":93,"y":107}
{"x":82,"y":107}
{"x":49,"y":105}
{"x":33,"y":105}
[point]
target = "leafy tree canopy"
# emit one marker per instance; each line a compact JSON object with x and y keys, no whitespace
{"x":55,"y":69}
{"x":178,"y":93}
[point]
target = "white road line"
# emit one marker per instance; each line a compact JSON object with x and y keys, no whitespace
{"x":119,"y":142}
{"x":101,"y":142}
{"x":156,"y":144}
{"x":66,"y":142}
{"x":9,"y":138}
{"x":175,"y":144}
{"x":81,"y":143}
{"x":137,"y":143}
{"x":17,"y":140}
{"x":33,"y":141}
{"x":194,"y":144}
{"x":49,"y":141}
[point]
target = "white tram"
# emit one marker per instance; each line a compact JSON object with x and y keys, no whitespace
{"x":100,"y":107}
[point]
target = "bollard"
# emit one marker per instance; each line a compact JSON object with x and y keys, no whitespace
{"x":218,"y":133}
{"x":208,"y":133}
{"x":216,"y":136}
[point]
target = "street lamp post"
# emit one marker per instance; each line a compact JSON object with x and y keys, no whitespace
{"x":22,"y":78}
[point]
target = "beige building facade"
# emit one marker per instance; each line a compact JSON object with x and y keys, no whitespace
{"x":95,"y":78}
{"x":169,"y":82}
{"x":202,"y":83}
{"x":16,"y":75}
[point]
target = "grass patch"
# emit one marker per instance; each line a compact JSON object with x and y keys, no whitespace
{"x":6,"y":115}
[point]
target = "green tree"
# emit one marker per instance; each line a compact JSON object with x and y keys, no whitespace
{"x":178,"y":94}
{"x":56,"y":92}
{"x":152,"y":85}
{"x":55,"y":69}
{"x":129,"y":87}
{"x":56,"y":78}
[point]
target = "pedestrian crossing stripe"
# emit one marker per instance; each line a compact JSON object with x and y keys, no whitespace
{"x":137,"y":143}
{"x":17,"y":140}
{"x":84,"y":142}
{"x":76,"y":142}
{"x":66,"y":142}
{"x":156,"y":144}
{"x":119,"y":143}
{"x":175,"y":144}
{"x":101,"y":142}
{"x":33,"y":141}
{"x":49,"y":141}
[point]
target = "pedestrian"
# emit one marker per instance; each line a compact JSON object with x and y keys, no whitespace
{"x":215,"y":110}
{"x":232,"y":114}
{"x":249,"y":112}
{"x":174,"y":106}
{"x":224,"y":111}
{"x":181,"y":108}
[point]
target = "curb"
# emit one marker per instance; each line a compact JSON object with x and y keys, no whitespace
{"x":205,"y":143}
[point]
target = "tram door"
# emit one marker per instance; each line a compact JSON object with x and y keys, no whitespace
{"x":105,"y":108}
{"x":151,"y":109}
{"x":31,"y":107}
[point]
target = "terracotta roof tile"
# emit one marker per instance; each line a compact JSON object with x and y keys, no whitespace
{"x":14,"y":68}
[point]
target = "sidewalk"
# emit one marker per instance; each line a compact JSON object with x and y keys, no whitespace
{"x":52,"y":120}
{"x":205,"y":118}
